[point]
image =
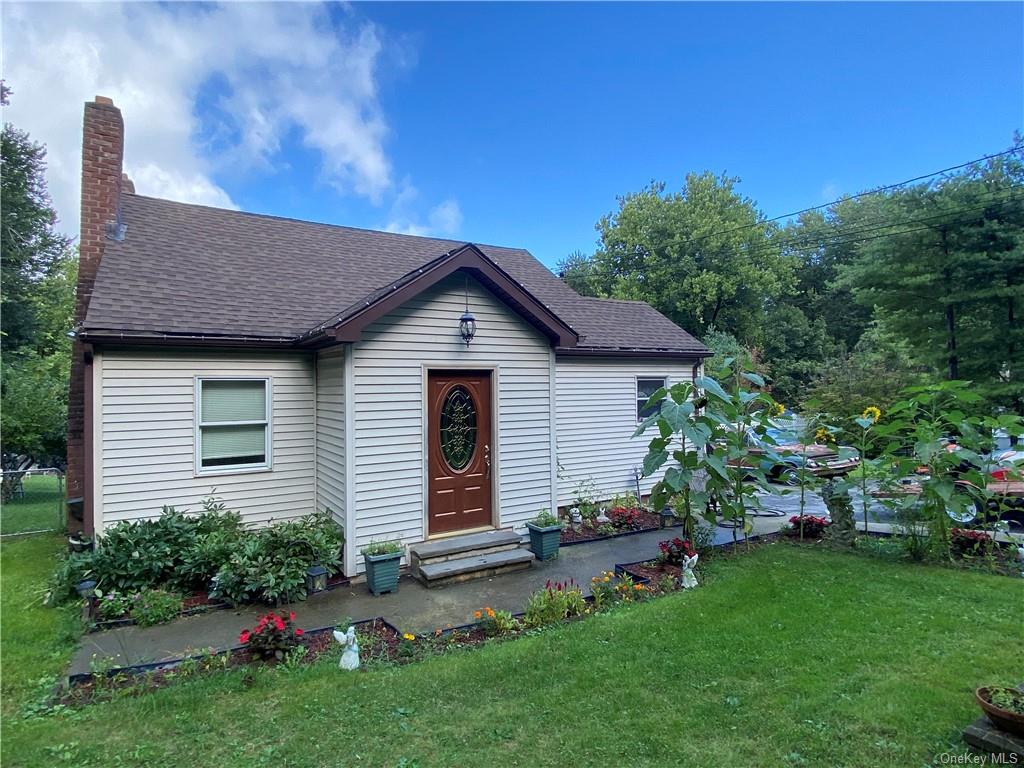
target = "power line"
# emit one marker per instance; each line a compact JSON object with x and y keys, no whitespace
{"x":861,"y":227}
{"x":874,"y":191}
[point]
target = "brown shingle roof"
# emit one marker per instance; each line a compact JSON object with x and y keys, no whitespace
{"x":191,"y":269}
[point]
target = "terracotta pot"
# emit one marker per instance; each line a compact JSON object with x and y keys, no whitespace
{"x":1011,"y":722}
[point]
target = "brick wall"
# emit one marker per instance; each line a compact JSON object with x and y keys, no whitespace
{"x":102,"y":160}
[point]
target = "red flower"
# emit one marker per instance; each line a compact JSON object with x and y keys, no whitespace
{"x":299,"y":632}
{"x":244,"y":637}
{"x":291,"y":616}
{"x":279,"y":623}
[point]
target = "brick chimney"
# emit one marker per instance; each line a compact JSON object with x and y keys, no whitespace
{"x":102,"y":179}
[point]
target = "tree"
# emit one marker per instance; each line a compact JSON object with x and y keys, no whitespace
{"x":795,"y":349}
{"x":817,"y":244}
{"x":39,"y":271}
{"x":873,"y":374}
{"x":948,"y":274}
{"x":30,"y":248}
{"x":701,"y":256}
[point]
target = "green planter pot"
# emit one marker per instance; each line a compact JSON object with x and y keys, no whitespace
{"x":382,"y":572}
{"x":544,"y":540}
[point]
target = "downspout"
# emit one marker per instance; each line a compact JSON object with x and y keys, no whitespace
{"x":88,"y":484}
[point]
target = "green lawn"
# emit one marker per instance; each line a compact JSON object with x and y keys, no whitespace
{"x":41,"y":509}
{"x":788,"y":656}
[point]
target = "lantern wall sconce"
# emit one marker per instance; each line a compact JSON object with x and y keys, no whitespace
{"x":467,"y":323}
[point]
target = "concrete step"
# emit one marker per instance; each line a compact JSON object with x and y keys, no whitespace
{"x":455,"y":547}
{"x":473,"y":566}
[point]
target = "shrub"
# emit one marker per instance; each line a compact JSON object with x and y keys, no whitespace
{"x":557,"y":601}
{"x":155,"y":606}
{"x":256,"y":571}
{"x":272,"y":637}
{"x":626,"y":518}
{"x":672,"y":551}
{"x":134,"y":555}
{"x":218,"y":532}
{"x":813,"y":526}
{"x":963,"y":541}
{"x":212,"y":550}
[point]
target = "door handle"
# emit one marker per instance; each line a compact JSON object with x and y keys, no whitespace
{"x":487,"y":460}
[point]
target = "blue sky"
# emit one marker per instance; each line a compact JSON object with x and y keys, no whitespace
{"x":527,"y":120}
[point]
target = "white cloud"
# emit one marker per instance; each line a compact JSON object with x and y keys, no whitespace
{"x":443,"y":220}
{"x":278,"y":70}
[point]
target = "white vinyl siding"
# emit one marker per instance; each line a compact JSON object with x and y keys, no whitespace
{"x":146,"y":401}
{"x":330,"y":432}
{"x":596,"y":415}
{"x":388,"y":380}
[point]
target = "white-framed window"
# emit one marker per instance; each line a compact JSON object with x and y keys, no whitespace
{"x":645,"y":387}
{"x":232,"y":425}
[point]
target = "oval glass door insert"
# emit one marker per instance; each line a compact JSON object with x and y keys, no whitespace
{"x":458,"y":427}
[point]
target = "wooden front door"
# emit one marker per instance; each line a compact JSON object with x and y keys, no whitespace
{"x":458,"y":450}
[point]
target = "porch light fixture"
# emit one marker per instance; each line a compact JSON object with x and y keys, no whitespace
{"x":467,"y":323}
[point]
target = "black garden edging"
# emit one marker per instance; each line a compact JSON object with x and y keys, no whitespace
{"x":156,"y":666}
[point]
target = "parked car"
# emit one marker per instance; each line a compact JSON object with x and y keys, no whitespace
{"x":783,"y":455}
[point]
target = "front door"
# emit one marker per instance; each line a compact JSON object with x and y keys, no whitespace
{"x":458,"y":450}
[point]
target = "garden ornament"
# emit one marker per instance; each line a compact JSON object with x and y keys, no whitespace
{"x":350,"y":656}
{"x":602,"y":517}
{"x":688,"y":579}
{"x":575,"y":515}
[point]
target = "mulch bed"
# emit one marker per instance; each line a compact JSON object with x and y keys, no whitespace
{"x":379,"y":642}
{"x":587,"y":531}
{"x":652,"y":571}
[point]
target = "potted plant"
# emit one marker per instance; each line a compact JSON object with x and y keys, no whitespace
{"x":1004,"y":707}
{"x":545,"y":535}
{"x":382,"y":559}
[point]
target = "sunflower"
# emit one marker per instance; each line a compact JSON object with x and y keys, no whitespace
{"x":872,"y":412}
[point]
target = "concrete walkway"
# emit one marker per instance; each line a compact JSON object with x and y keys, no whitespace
{"x":413,"y":608}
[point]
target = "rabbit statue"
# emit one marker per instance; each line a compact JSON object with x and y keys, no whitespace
{"x":350,"y":656}
{"x":688,"y":579}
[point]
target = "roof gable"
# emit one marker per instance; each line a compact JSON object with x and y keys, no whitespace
{"x":348,"y":325}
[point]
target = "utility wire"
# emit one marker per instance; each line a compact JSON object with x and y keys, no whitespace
{"x":842,"y":236}
{"x":859,"y":234}
{"x":874,"y":191}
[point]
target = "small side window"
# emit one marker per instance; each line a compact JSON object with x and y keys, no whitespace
{"x":646,"y":387}
{"x":233,"y":424}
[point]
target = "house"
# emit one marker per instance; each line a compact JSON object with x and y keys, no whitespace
{"x":295,"y":366}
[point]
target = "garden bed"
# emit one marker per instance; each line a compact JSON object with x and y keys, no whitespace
{"x":588,"y":530}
